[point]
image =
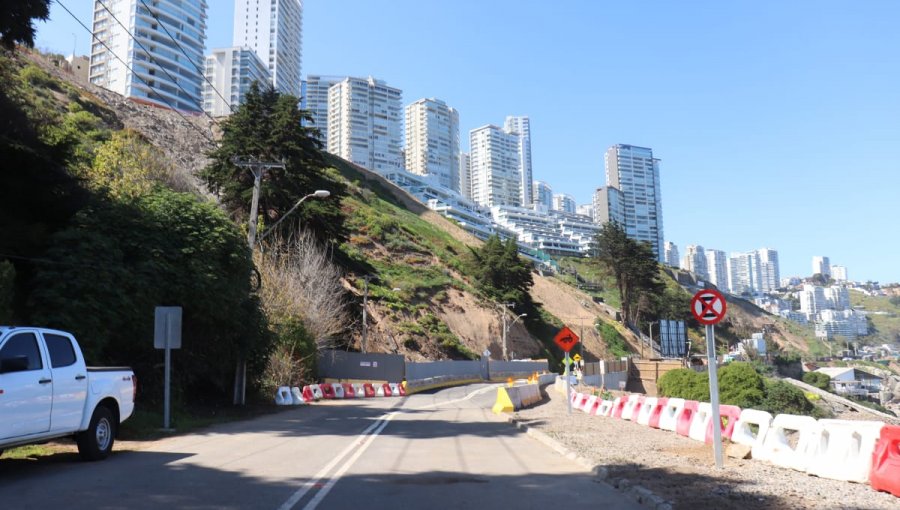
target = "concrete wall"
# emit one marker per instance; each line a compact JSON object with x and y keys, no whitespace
{"x":430,"y":369}
{"x":358,"y":366}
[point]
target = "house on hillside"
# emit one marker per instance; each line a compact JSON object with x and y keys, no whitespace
{"x":852,"y":381}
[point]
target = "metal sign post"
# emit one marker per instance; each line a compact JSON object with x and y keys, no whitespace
{"x":566,"y":339}
{"x":708,"y":307}
{"x":568,"y":385}
{"x":167,"y":335}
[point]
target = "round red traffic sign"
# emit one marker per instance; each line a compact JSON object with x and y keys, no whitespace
{"x":708,"y":306}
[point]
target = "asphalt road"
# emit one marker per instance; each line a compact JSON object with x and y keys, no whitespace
{"x":438,"y":450}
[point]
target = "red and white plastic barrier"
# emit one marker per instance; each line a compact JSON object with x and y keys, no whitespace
{"x":686,"y":417}
{"x":618,"y":406}
{"x":632,"y":407}
{"x":701,"y":421}
{"x":327,"y":390}
{"x":283,"y":396}
{"x":777,"y":449}
{"x":589,"y":404}
{"x":728,"y":417}
{"x":605,"y":408}
{"x":885,"y":472}
{"x":743,"y":432}
{"x":656,"y":414}
{"x":338,"y":390}
{"x":650,"y":405}
{"x":349,"y":390}
{"x":668,"y":419}
{"x":845,"y":450}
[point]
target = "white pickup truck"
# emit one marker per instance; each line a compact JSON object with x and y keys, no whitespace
{"x":47,"y":392}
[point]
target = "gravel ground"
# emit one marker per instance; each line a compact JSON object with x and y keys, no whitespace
{"x":683,"y":471}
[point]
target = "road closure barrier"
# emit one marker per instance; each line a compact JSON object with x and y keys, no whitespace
{"x":514,"y":398}
{"x":778,"y":449}
{"x":728,"y":417}
{"x":575,"y":398}
{"x":686,"y":417}
{"x":668,"y":419}
{"x":395,"y":389}
{"x":885,"y":472}
{"x":359,"y":390}
{"x":297,"y":396}
{"x":338,"y":390}
{"x":844,"y":450}
{"x":632,"y":407}
{"x":618,"y":406}
{"x":317,"y":392}
{"x":702,"y":420}
{"x":349,"y":390}
{"x":743,"y":429}
{"x":656,"y":414}
{"x":650,"y":404}
{"x":589,"y":404}
{"x":327,"y":390}
{"x":369,"y":390}
{"x":283,"y":396}
{"x":604,"y":408}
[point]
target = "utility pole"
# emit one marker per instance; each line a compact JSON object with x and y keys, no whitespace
{"x":257,"y":167}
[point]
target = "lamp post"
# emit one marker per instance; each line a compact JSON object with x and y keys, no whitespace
{"x":321,"y":193}
{"x":506,"y":327}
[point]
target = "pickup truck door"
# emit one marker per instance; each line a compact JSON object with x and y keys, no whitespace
{"x":69,"y":382}
{"x":26,"y":388}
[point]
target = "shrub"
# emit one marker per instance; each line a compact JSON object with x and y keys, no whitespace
{"x":741,"y":385}
{"x":784,"y":398}
{"x":684,"y":383}
{"x":615,"y":343}
{"x":817,"y":379}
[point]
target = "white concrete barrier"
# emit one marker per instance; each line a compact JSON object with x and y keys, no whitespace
{"x":790,"y":441}
{"x":296,"y":396}
{"x":668,"y":420}
{"x":844,"y":450}
{"x":743,"y":432}
{"x":283,"y":396}
{"x":650,"y":404}
{"x":701,"y":422}
{"x":317,"y":391}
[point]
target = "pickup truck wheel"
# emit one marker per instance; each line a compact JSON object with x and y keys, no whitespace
{"x":96,"y":442}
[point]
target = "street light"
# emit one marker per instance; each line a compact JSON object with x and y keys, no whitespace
{"x":506,"y":327}
{"x":321,"y":193}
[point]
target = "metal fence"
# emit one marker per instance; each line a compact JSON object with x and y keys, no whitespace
{"x":423,"y":370}
{"x":358,"y":366}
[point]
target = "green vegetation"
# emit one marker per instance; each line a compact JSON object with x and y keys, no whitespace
{"x":634,"y":268}
{"x":817,"y":379}
{"x":884,"y":317}
{"x":592,"y":277}
{"x":740,"y":385}
{"x":500,"y":274}
{"x":615,"y":342}
{"x":16,"y":21}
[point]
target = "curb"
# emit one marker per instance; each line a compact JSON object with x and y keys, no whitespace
{"x":638,"y":493}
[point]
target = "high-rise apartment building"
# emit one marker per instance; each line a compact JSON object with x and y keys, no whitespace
{"x":743,"y":273}
{"x":839,"y":273}
{"x":432,"y":141}
{"x":670,"y":254}
{"x":521,"y":126}
{"x":609,"y":205}
{"x":316,"y":102}
{"x":632,"y":174}
{"x":813,"y":300}
{"x":717,"y":268}
{"x":163,"y":63}
{"x":564,"y":202}
{"x":695,"y":261}
{"x":496,"y":179}
{"x":465,"y":175}
{"x":821,"y":265}
{"x":273,"y":29}
{"x":542,"y":195}
{"x":364,"y":119}
{"x":231,"y":71}
{"x":769,"y":273}
{"x":586,"y":210}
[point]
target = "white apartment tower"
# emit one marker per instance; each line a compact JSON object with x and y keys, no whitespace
{"x":465,"y":175}
{"x":273,"y":29}
{"x":364,"y":119}
{"x":670,"y":254}
{"x":695,"y":261}
{"x":542,"y":195}
{"x":632,"y":173}
{"x":316,"y":102}
{"x":821,"y":265}
{"x":432,"y":141}
{"x":496,"y":179}
{"x":586,"y":210}
{"x":163,"y":64}
{"x":717,"y":268}
{"x":231,"y":71}
{"x":839,"y":273}
{"x":564,"y":202}
{"x":769,"y":274}
{"x":521,"y":125}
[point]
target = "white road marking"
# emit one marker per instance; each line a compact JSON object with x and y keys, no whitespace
{"x":463,"y":399}
{"x":352,"y":460}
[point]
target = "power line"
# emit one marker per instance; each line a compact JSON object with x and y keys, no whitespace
{"x":180,"y":47}
{"x":153,"y":59}
{"x":191,"y":124}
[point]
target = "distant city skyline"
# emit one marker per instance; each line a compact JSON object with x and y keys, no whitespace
{"x":762,"y":143}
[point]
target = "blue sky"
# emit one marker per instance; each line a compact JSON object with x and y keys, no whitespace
{"x":776,"y":122}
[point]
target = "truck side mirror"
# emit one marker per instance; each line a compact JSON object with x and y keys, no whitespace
{"x":13,"y":364}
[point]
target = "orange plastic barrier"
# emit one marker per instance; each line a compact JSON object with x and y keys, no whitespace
{"x":369,"y":390}
{"x":657,"y":412}
{"x":618,"y":406}
{"x":728,"y":416}
{"x":349,"y":392}
{"x":327,"y":390}
{"x":885,"y":473}
{"x":683,"y":428}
